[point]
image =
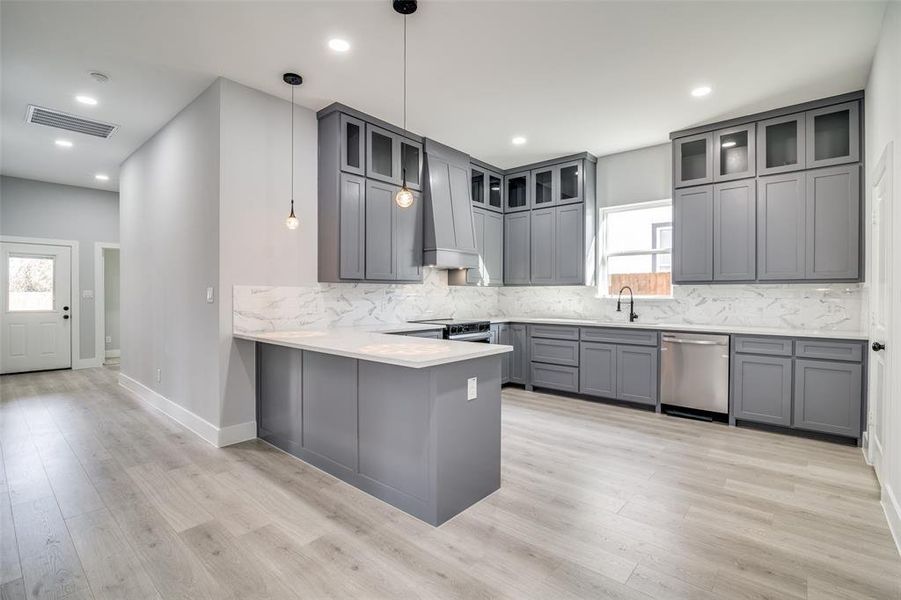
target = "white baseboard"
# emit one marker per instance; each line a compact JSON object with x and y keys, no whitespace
{"x":216,"y":436}
{"x":892,"y":514}
{"x":113,"y":353}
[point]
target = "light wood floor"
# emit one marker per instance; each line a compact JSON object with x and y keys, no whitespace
{"x":104,"y":498}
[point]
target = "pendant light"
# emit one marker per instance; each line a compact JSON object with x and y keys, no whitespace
{"x":294,"y":80}
{"x":404,"y":197}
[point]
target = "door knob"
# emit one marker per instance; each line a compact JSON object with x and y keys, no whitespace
{"x":65,"y":308}
{"x":877,"y":346}
{"x":65,"y":316}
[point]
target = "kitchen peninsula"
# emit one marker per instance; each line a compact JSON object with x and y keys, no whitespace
{"x":412,"y":421}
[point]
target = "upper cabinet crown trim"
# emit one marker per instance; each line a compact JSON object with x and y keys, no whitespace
{"x":341,"y":108}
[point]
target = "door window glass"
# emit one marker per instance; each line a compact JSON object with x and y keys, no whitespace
{"x":30,"y":283}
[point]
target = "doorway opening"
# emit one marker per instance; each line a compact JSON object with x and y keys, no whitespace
{"x":111,"y":320}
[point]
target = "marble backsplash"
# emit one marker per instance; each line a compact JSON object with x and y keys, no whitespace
{"x":835,"y":307}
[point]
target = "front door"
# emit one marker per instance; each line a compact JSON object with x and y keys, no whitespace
{"x":35,"y":308}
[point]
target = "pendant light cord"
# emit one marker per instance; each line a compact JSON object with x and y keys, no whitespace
{"x":292,"y":149}
{"x":405,"y":71}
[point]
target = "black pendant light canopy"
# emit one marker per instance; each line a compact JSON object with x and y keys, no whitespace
{"x":294,"y":80}
{"x":404,"y":196}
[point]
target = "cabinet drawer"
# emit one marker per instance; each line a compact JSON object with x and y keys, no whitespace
{"x":555,"y":377}
{"x":613,"y":335}
{"x":829,"y":350}
{"x":755,"y":345}
{"x":557,"y":352}
{"x":560,"y":332}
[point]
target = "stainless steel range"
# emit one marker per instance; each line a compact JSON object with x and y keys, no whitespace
{"x":463,"y":330}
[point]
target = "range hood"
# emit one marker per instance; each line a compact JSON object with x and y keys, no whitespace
{"x":449,"y":240}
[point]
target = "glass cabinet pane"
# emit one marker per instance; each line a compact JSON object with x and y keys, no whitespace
{"x":517,"y":192}
{"x":352,"y":137}
{"x":382,"y":149}
{"x":733,"y":152}
{"x":478,"y":186}
{"x":544,"y":187}
{"x":782,"y":144}
{"x":832,"y":135}
{"x":569,"y":183}
{"x":494,"y":191}
{"x":694,"y":160}
{"x":410,"y":159}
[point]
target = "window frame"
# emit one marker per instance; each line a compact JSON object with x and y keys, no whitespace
{"x":603,"y":256}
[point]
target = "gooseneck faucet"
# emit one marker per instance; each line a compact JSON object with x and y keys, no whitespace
{"x":632,"y":315}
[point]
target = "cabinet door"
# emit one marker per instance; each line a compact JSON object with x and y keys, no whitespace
{"x":503,"y":337}
{"x":411,"y":163}
{"x":636,"y":374}
{"x":279,"y":389}
{"x":353,"y":145}
{"x":597,"y":369}
{"x":569,"y":258}
{"x":833,"y":135}
{"x":735,"y":154}
{"x":478,"y":186}
{"x":517,"y":248}
{"x":781,"y":216}
{"x":693,"y":234}
{"x":494,"y":248}
{"x":518,"y":195}
{"x":833,"y":223}
{"x":476,"y":276}
{"x":544,"y":188}
{"x":543,"y":248}
{"x":380,"y":240}
{"x":762,"y":389}
{"x":352,"y":223}
{"x":568,"y":177}
{"x":693,"y":160}
{"x":735,"y":231}
{"x":828,"y":397}
{"x":781,"y":144}
{"x":519,"y":364}
{"x":382,"y":155}
{"x":495,"y":192}
{"x":408,"y":239}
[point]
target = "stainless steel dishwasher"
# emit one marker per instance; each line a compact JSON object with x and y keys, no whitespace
{"x":694,"y":371}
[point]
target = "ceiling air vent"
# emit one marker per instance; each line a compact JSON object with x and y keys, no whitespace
{"x":61,"y":120}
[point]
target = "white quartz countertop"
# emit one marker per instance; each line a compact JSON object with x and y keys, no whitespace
{"x":374,"y":343}
{"x":807,"y":333}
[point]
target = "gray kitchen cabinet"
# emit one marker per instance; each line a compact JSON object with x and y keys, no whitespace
{"x":352,"y":223}
{"x":279,"y":418}
{"x":781,"y":227}
{"x":693,"y":234}
{"x":382,"y":155}
{"x":487,"y":188}
{"x":517,"y":244}
{"x":762,"y":389}
{"x":519,"y":362}
{"x":380,"y":238}
{"x":557,"y":352}
{"x":569,"y":256}
{"x":353,"y":145}
{"x":781,"y":144}
{"x":544,"y":187}
{"x":568,"y":177}
{"x":495,"y":192}
{"x":827,"y":397}
{"x":408,"y":239}
{"x":833,"y":223}
{"x":334,"y":436}
{"x":503,"y":337}
{"x":411,"y":160}
{"x":543,"y":246}
{"x":693,"y":160}
{"x":636,"y":374}
{"x":833,"y":135}
{"x":555,"y":377}
{"x":597,"y":369}
{"x":734,"y":153}
{"x":478,"y":178}
{"x":489,"y":231}
{"x":518,"y":194}
{"x":735,"y":230}
{"x":476,"y":276}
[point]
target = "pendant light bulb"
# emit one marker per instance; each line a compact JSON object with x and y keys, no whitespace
{"x":292,"y":221}
{"x":294,"y":80}
{"x":404,"y":197}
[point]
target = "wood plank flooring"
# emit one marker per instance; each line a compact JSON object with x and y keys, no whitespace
{"x":103,"y":497}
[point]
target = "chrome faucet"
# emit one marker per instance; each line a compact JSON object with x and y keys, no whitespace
{"x":632,"y":315}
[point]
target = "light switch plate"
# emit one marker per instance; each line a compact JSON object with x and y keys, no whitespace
{"x":109,"y":339}
{"x":472,"y":385}
{"x":87,"y":294}
{"x":209,"y":295}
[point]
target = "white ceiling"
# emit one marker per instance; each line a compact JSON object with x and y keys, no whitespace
{"x":596,"y":76}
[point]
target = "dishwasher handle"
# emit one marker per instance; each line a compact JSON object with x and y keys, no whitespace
{"x":695,"y":342}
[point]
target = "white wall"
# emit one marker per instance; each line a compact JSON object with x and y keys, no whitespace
{"x":635,"y":176}
{"x":883,"y":127}
{"x":49,"y":210}
{"x":111,"y":284}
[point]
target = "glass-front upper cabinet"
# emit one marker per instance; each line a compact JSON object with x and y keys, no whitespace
{"x":569,"y":182}
{"x":477,"y":181}
{"x":411,"y":163}
{"x":382,"y":155}
{"x":518,"y":192}
{"x":833,"y":135}
{"x":734,"y":153}
{"x":781,"y":145}
{"x":543,"y":188}
{"x":495,"y":192}
{"x":353,"y":145}
{"x":693,"y":160}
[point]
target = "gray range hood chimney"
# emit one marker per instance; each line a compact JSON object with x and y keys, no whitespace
{"x":449,"y":240}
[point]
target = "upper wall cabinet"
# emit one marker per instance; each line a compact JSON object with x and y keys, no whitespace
{"x":353,"y":145}
{"x":478,"y":184}
{"x":411,"y":164}
{"x":734,"y":155}
{"x":833,"y":135}
{"x":391,"y":157}
{"x":569,"y":182}
{"x":693,"y":160}
{"x":544,"y":188}
{"x":781,"y":144}
{"x":518,"y":192}
{"x":486,"y":188}
{"x":495,"y":192}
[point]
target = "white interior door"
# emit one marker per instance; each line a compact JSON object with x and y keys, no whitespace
{"x":882,"y":349}
{"x":36,"y":301}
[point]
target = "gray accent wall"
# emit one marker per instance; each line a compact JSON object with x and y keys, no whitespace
{"x":40,"y":209}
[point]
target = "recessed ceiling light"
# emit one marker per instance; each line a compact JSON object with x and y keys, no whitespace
{"x":727,"y":144}
{"x":700,"y":92}
{"x":64,"y":143}
{"x":339,"y":45}
{"x":518,"y":140}
{"x":87,"y":100}
{"x":101,"y":177}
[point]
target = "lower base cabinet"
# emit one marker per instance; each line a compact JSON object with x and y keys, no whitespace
{"x":519,"y":359}
{"x":827,"y":397}
{"x":555,"y":377}
{"x":762,"y":389}
{"x":620,"y":372}
{"x":597,"y":369}
{"x":500,"y":334}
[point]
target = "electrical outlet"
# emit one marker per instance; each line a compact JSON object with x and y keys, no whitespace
{"x":87,"y":294}
{"x":472,"y":386}
{"x":159,"y":375}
